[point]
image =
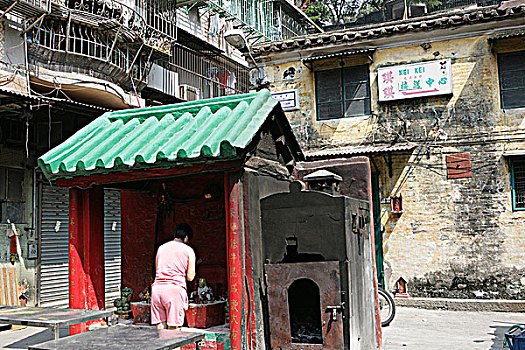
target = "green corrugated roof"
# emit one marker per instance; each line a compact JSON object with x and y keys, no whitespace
{"x":158,"y":136}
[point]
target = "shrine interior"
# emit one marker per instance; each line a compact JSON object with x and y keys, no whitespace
{"x":150,"y":212}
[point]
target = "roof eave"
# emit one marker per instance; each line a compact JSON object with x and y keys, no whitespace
{"x":370,"y":33}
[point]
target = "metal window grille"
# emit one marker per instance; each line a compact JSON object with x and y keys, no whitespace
{"x":83,"y":40}
{"x":159,"y":15}
{"x":206,"y":72}
{"x":518,"y":172}
{"x":286,"y":26}
{"x":512,"y":79}
{"x":343,"y":92}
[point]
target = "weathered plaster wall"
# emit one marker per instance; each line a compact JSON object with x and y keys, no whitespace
{"x":456,"y":237}
{"x":12,"y":51}
{"x":25,"y":267}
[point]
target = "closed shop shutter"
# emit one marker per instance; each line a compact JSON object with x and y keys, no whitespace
{"x":112,"y":225}
{"x":54,"y":266}
{"x":54,"y":263}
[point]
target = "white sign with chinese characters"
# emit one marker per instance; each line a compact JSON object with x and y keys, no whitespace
{"x":289,"y":99}
{"x":415,"y":80}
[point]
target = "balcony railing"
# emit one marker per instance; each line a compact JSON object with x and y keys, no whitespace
{"x":286,"y":26}
{"x":113,"y":13}
{"x":26,"y":8}
{"x":211,"y":76}
{"x":131,"y":24}
{"x":377,"y":17}
{"x":82,"y":40}
{"x":51,"y":46}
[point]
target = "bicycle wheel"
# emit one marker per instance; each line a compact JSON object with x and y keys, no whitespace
{"x":387,"y":308}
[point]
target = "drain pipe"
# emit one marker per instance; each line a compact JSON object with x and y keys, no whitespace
{"x":26,"y":61}
{"x":36,"y":238}
{"x":34,"y":197}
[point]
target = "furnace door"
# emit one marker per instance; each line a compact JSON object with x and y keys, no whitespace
{"x":304,"y":304}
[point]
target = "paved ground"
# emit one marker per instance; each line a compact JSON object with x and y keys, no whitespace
{"x":412,"y":329}
{"x":22,"y":338}
{"x":448,"y":330}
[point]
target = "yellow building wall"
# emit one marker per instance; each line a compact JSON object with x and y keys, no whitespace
{"x":455,"y":236}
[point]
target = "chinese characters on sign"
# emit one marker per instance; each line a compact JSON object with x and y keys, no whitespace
{"x":289,"y":99}
{"x":415,"y":80}
{"x":235,"y":274}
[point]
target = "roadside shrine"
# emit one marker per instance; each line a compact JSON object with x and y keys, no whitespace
{"x":204,"y":163}
{"x":211,"y":164}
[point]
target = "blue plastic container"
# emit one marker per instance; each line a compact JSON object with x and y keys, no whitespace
{"x":516,"y":338}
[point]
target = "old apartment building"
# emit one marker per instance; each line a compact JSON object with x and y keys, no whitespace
{"x":437,"y":104}
{"x":65,"y":62}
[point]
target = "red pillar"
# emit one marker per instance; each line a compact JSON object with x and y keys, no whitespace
{"x":86,"y":251}
{"x":234,"y":263}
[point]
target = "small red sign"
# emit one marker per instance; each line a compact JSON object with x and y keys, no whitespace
{"x":458,"y":166}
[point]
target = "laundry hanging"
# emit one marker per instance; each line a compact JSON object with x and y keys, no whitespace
{"x":231,"y":81}
{"x":214,"y":25}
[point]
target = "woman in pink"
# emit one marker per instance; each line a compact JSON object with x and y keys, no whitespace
{"x":175,"y":263}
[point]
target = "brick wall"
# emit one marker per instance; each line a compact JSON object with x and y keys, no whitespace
{"x":456,"y":237}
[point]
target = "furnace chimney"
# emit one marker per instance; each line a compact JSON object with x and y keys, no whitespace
{"x":324,"y":181}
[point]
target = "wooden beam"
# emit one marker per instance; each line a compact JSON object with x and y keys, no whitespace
{"x":150,"y":174}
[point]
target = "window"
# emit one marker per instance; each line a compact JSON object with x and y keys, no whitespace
{"x":512,"y":79}
{"x":11,"y":195}
{"x":517,"y":179}
{"x":343,"y":92}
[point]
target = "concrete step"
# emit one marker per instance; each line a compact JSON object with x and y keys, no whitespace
{"x":462,"y":304}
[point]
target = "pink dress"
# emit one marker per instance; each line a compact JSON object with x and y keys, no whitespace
{"x":169,"y":299}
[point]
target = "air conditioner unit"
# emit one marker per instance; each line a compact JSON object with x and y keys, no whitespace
{"x":189,"y":93}
{"x":163,"y":80}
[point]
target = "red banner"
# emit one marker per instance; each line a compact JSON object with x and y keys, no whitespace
{"x":234,"y":266}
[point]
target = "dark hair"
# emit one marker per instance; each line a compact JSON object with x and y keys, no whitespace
{"x":183,"y":230}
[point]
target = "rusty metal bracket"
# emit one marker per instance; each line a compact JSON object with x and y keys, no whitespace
{"x":334,"y":309}
{"x":114,"y":43}
{"x":8,"y":9}
{"x":310,"y":68}
{"x":135,"y":58}
{"x":39,"y":19}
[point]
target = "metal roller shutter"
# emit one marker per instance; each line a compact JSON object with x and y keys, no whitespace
{"x":112,"y":232}
{"x":54,"y":262}
{"x":54,"y":266}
